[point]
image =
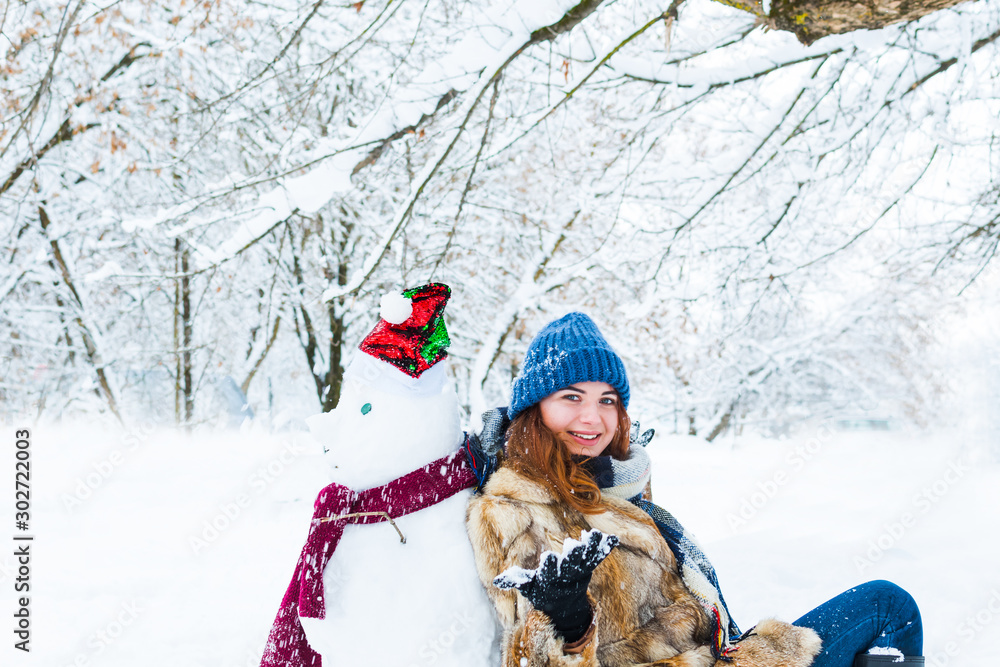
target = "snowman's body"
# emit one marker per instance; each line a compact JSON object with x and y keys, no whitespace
{"x":389,"y":603}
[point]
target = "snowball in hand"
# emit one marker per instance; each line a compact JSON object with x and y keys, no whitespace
{"x":395,"y":308}
{"x":579,"y":557}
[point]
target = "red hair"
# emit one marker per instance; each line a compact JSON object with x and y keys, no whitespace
{"x":537,"y":453}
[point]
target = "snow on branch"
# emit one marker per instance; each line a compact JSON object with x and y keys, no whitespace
{"x":532,"y":17}
{"x":465,"y":71}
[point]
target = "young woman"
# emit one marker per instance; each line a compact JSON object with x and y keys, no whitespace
{"x":583,"y":570}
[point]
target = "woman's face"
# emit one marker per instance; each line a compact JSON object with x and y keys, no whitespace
{"x":583,"y":415}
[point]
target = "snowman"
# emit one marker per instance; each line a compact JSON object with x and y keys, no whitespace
{"x":387,"y":575}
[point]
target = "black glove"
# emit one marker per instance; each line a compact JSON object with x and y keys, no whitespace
{"x":636,"y":438}
{"x":482,"y":450}
{"x":558,"y":586}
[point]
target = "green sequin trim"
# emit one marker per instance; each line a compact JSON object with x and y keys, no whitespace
{"x":438,"y":341}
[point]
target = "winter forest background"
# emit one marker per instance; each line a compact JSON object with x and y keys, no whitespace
{"x":786,"y":224}
{"x":200,"y":198}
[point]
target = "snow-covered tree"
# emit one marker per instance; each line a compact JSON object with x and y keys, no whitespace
{"x":196,"y":191}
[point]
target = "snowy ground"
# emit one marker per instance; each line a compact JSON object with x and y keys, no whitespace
{"x":156,"y":549}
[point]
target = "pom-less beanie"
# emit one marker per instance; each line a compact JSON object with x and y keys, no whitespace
{"x":568,"y":350}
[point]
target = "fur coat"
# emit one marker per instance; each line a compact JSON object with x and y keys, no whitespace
{"x":643,"y":613}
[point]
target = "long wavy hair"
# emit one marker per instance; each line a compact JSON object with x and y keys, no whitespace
{"x":537,"y":453}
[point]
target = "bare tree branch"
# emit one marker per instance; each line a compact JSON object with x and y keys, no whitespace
{"x":570,"y":20}
{"x":66,"y":131}
{"x":468,"y":181}
{"x":946,"y":64}
{"x":43,"y":85}
{"x":245,"y":385}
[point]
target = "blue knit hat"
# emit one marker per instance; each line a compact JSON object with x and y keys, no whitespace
{"x":564,"y":352}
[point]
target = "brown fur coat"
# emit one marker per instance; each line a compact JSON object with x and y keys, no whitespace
{"x":643,"y":613}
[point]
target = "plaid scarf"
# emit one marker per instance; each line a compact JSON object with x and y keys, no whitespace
{"x":627,"y":480}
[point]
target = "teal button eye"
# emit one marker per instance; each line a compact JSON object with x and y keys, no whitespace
{"x":366,"y":408}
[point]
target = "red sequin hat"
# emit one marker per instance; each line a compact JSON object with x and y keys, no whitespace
{"x":414,"y":342}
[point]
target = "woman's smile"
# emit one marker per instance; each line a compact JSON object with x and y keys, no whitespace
{"x":583,"y":415}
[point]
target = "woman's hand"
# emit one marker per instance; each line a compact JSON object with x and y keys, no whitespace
{"x":558,"y":586}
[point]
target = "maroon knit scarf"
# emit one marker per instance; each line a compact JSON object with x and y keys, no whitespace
{"x":436,"y":481}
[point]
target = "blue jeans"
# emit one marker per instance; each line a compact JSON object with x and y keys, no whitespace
{"x":878,"y":613}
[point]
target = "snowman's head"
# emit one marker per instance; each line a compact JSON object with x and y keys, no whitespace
{"x":397,"y":410}
{"x":386,"y":423}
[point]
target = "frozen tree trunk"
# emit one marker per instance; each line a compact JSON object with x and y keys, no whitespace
{"x":245,"y":386}
{"x":186,"y":337}
{"x":329,"y":377}
{"x":813,"y":19}
{"x":183,"y":330}
{"x":335,"y":373}
{"x":178,"y":371}
{"x":722,"y":425}
{"x":90,"y":341}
